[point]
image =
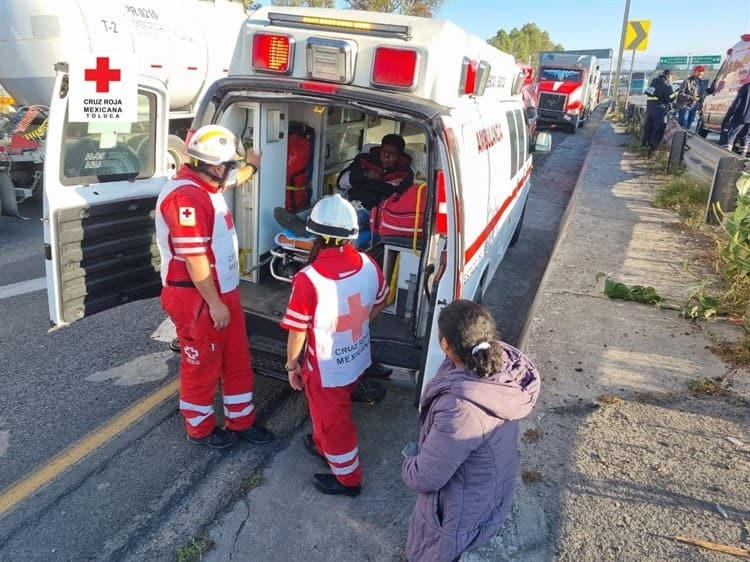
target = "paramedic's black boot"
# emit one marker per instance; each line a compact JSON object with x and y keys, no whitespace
{"x":218,"y":439}
{"x":312,"y":449}
{"x":328,"y":484}
{"x":174,"y":345}
{"x":368,"y":391}
{"x":255,"y":434}
{"x":378,"y":371}
{"x":290,"y":221}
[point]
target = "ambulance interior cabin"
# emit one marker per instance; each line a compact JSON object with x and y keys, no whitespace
{"x":305,"y":148}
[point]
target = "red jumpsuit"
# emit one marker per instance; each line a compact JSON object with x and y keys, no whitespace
{"x":192,"y":219}
{"x":331,"y":302}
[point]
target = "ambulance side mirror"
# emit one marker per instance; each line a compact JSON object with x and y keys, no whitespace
{"x":542,"y":142}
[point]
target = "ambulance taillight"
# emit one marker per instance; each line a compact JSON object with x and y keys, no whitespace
{"x":441,"y":218}
{"x":395,"y":68}
{"x":474,"y":77}
{"x":272,"y":53}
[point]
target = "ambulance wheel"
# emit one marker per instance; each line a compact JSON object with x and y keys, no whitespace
{"x":700,"y":129}
{"x":517,"y":231}
{"x":573,"y":127}
{"x":175,"y":154}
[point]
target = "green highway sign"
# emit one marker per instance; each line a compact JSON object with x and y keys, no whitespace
{"x":710,"y":59}
{"x":706,"y":59}
{"x":673,"y":60}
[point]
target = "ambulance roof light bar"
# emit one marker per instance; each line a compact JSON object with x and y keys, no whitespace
{"x":331,"y":24}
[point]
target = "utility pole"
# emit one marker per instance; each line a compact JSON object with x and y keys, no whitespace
{"x":622,"y":45}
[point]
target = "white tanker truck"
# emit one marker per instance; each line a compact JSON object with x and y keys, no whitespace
{"x":184,"y":44}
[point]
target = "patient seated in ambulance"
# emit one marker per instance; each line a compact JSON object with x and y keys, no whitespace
{"x":376,"y":175}
{"x":372,"y":177}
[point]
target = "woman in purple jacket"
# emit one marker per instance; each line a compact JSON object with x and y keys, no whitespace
{"x":465,"y":464}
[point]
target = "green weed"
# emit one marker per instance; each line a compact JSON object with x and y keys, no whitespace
{"x":195,"y":549}
{"x":684,"y":194}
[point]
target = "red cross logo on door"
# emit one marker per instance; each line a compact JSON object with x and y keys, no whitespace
{"x":355,"y":319}
{"x":102,"y":74}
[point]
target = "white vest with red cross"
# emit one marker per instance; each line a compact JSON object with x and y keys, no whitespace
{"x":341,"y":323}
{"x":220,"y":245}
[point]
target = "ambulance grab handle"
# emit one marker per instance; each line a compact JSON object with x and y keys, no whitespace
{"x":428,"y":271}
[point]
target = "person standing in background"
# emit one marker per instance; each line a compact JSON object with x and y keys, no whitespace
{"x":659,"y":98}
{"x":736,"y":126}
{"x":689,"y":97}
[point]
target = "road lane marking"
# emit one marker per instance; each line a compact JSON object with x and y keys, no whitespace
{"x":22,"y":489}
{"x":15,"y":289}
{"x":165,"y":332}
{"x":152,"y":367}
{"x":4,"y":442}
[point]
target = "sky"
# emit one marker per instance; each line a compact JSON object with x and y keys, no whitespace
{"x":678,"y":27}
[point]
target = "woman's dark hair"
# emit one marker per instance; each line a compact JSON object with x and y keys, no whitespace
{"x":394,"y":140}
{"x":321,"y":243}
{"x":465,"y":325}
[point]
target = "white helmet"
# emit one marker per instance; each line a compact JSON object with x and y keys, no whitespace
{"x":213,"y":145}
{"x":333,"y":216}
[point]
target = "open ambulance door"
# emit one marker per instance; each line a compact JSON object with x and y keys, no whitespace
{"x":101,"y":181}
{"x":441,"y":281}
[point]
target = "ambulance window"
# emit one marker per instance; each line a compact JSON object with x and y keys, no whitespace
{"x":523,"y":144}
{"x":101,"y":152}
{"x":513,"y":135}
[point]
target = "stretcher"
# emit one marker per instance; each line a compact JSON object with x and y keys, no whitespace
{"x":290,"y":255}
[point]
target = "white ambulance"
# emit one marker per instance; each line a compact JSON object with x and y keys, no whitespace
{"x":348,"y":77}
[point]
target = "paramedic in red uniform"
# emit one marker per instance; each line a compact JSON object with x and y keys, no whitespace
{"x":200,"y":278}
{"x":333,"y":300}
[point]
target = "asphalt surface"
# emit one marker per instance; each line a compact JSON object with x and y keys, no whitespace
{"x":145,"y":492}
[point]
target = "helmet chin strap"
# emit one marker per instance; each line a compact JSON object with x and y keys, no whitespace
{"x":221,"y":180}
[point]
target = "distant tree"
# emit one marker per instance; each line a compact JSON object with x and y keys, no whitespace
{"x":525,"y":44}
{"x":424,"y":8}
{"x":304,"y":3}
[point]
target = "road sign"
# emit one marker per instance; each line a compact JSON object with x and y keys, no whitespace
{"x":673,"y":60}
{"x":636,"y":35}
{"x":710,"y":59}
{"x":707,"y":59}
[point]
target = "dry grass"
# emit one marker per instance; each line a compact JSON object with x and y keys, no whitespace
{"x":532,"y":435}
{"x":531,"y":476}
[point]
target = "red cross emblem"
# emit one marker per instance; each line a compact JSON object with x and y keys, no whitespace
{"x":187,"y":216}
{"x":102,"y":74}
{"x":355,"y":319}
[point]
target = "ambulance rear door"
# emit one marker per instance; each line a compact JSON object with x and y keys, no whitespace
{"x":101,"y":181}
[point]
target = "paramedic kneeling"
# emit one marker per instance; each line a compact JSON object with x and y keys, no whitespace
{"x":200,"y":278}
{"x":333,"y":300}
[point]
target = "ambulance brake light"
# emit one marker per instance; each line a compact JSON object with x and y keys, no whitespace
{"x":441,"y":218}
{"x":395,"y":68}
{"x":272,"y":53}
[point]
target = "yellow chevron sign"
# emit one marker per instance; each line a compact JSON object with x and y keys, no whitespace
{"x":636,"y":35}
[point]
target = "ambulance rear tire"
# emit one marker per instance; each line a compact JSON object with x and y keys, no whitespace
{"x":517,"y":231}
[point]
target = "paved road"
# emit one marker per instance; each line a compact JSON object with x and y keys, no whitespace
{"x":97,"y":399}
